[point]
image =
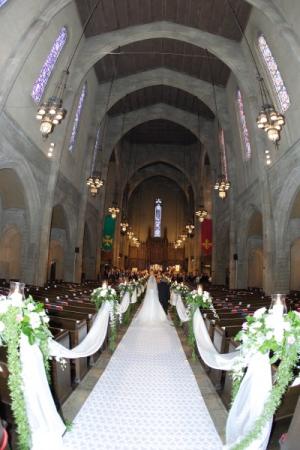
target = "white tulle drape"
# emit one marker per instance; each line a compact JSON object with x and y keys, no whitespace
{"x":45,"y":423}
{"x":173,"y":298}
{"x":181,"y":309}
{"x":249,"y":404}
{"x":253,"y":392}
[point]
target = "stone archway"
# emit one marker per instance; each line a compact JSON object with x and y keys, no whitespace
{"x":295,"y":266}
{"x":11,"y":253}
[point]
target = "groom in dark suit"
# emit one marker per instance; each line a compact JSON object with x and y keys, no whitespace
{"x":163,"y":292}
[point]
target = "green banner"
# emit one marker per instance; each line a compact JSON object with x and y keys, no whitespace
{"x":108,"y":233}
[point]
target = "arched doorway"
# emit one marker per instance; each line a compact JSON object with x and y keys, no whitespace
{"x":13,"y":225}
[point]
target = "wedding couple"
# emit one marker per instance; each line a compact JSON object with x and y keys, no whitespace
{"x":155,"y":305}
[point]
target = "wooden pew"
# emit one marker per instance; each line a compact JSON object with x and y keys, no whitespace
{"x":221,"y":339}
{"x":78,"y":330}
{"x":61,"y":377}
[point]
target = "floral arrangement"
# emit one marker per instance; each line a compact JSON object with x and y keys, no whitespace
{"x":278,"y":337}
{"x":179,"y":288}
{"x":101,"y":295}
{"x":197,"y":299}
{"x":19,"y":317}
{"x":125,"y":287}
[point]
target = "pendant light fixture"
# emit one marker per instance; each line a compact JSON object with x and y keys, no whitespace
{"x":222,"y":183}
{"x":51,"y":112}
{"x":268,"y":119}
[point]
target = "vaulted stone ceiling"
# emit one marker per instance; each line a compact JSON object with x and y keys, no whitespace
{"x":212,"y":16}
{"x":170,"y":53}
{"x":160,"y":132}
{"x":209,"y":16}
{"x":161,"y":94}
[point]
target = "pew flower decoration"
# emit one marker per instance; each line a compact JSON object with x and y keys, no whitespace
{"x":109,"y":294}
{"x":197,"y":299}
{"x":125,"y":287}
{"x":179,"y":288}
{"x":278,"y":337}
{"x":17,"y":318}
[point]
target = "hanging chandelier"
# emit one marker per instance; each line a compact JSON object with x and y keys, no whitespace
{"x":269,"y":119}
{"x":94,"y":183}
{"x":190,"y":228}
{"x":222,"y":185}
{"x":113,"y":211}
{"x":183,"y":236}
{"x":201,"y":213}
{"x":52,"y":112}
{"x":130,"y":234}
{"x":124,"y":225}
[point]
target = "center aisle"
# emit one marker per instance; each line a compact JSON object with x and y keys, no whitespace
{"x":147,"y":399}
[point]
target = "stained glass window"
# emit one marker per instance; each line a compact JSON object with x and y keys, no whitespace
{"x":2,"y":2}
{"x":280,"y":89}
{"x":157,"y":218}
{"x":223,"y":153}
{"x":243,"y":125}
{"x":77,"y":117}
{"x":48,"y":66}
{"x":96,"y":148}
{"x":97,"y":141}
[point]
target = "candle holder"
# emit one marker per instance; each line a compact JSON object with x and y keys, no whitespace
{"x":200,"y":289}
{"x":278,"y":304}
{"x":16,"y":291}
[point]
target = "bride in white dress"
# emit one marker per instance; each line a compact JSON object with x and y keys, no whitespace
{"x":151,"y":310}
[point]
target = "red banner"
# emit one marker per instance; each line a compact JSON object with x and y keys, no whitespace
{"x":206,"y":236}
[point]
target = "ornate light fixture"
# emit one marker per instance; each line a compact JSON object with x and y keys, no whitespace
{"x":268,"y":119}
{"x":222,"y":185}
{"x":94,"y":183}
{"x":113,"y":211}
{"x":130,"y":234}
{"x":201,"y":213}
{"x":183,"y":236}
{"x":124,"y":225}
{"x":190,"y":228}
{"x":52,"y":112}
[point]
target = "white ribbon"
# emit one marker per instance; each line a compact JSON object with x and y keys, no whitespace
{"x":253,"y":392}
{"x":134,"y":296}
{"x":181,"y":309}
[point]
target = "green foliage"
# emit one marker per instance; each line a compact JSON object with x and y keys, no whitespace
{"x":280,"y":339}
{"x":17,"y":318}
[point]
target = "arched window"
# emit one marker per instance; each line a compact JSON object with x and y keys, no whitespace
{"x":2,"y":2}
{"x":272,"y":68}
{"x":77,"y":117}
{"x":157,"y":218}
{"x":97,"y":141}
{"x":224,"y":167}
{"x":243,"y":125}
{"x":48,"y":66}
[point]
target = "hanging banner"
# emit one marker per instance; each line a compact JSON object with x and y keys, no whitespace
{"x":206,"y":236}
{"x":108,"y":233}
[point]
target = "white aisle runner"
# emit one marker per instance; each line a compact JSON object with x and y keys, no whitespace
{"x":147,"y":399}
